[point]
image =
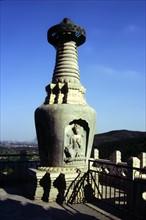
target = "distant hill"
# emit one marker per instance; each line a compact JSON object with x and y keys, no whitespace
{"x":130,"y":143}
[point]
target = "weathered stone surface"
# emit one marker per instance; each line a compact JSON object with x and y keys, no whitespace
{"x":46,"y":190}
{"x":55,"y":132}
{"x":65,"y":123}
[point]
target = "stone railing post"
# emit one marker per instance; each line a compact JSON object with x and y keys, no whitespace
{"x":116,"y":157}
{"x":131,"y":163}
{"x":96,"y":154}
{"x":142,"y":157}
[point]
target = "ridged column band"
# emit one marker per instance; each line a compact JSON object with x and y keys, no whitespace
{"x":66,"y":66}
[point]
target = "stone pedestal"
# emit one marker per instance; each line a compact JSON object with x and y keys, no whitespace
{"x":48,"y":192}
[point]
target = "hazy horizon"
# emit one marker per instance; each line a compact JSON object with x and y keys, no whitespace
{"x":35,"y":139}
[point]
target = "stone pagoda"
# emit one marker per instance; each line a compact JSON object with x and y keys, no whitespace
{"x":65,"y":123}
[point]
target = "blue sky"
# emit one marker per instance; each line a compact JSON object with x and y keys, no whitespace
{"x":111,"y":62}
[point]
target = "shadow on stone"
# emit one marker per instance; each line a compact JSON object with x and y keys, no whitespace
{"x":89,"y":193}
{"x":45,"y":182}
{"x":12,"y":209}
{"x":60,"y":184}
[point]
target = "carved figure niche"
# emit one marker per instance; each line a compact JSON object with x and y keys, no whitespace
{"x":76,"y":141}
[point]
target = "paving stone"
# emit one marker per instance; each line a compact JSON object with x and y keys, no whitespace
{"x":17,"y":207}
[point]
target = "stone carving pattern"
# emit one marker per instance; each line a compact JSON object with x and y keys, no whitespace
{"x":65,"y":93}
{"x":75,"y":143}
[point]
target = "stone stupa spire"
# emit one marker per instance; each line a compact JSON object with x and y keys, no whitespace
{"x":66,"y":86}
{"x":65,"y":123}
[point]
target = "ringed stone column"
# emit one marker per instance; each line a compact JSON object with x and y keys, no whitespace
{"x":65,"y":123}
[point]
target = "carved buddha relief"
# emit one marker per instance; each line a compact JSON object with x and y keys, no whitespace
{"x":75,"y":142}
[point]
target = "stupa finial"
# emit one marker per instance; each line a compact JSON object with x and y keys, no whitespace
{"x":66,"y":31}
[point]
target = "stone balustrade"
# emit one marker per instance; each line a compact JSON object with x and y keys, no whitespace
{"x":124,"y":169}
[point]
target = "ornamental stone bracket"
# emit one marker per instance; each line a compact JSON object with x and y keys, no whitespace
{"x":65,"y":93}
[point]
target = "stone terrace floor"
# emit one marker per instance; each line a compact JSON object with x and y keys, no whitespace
{"x":15,"y":206}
